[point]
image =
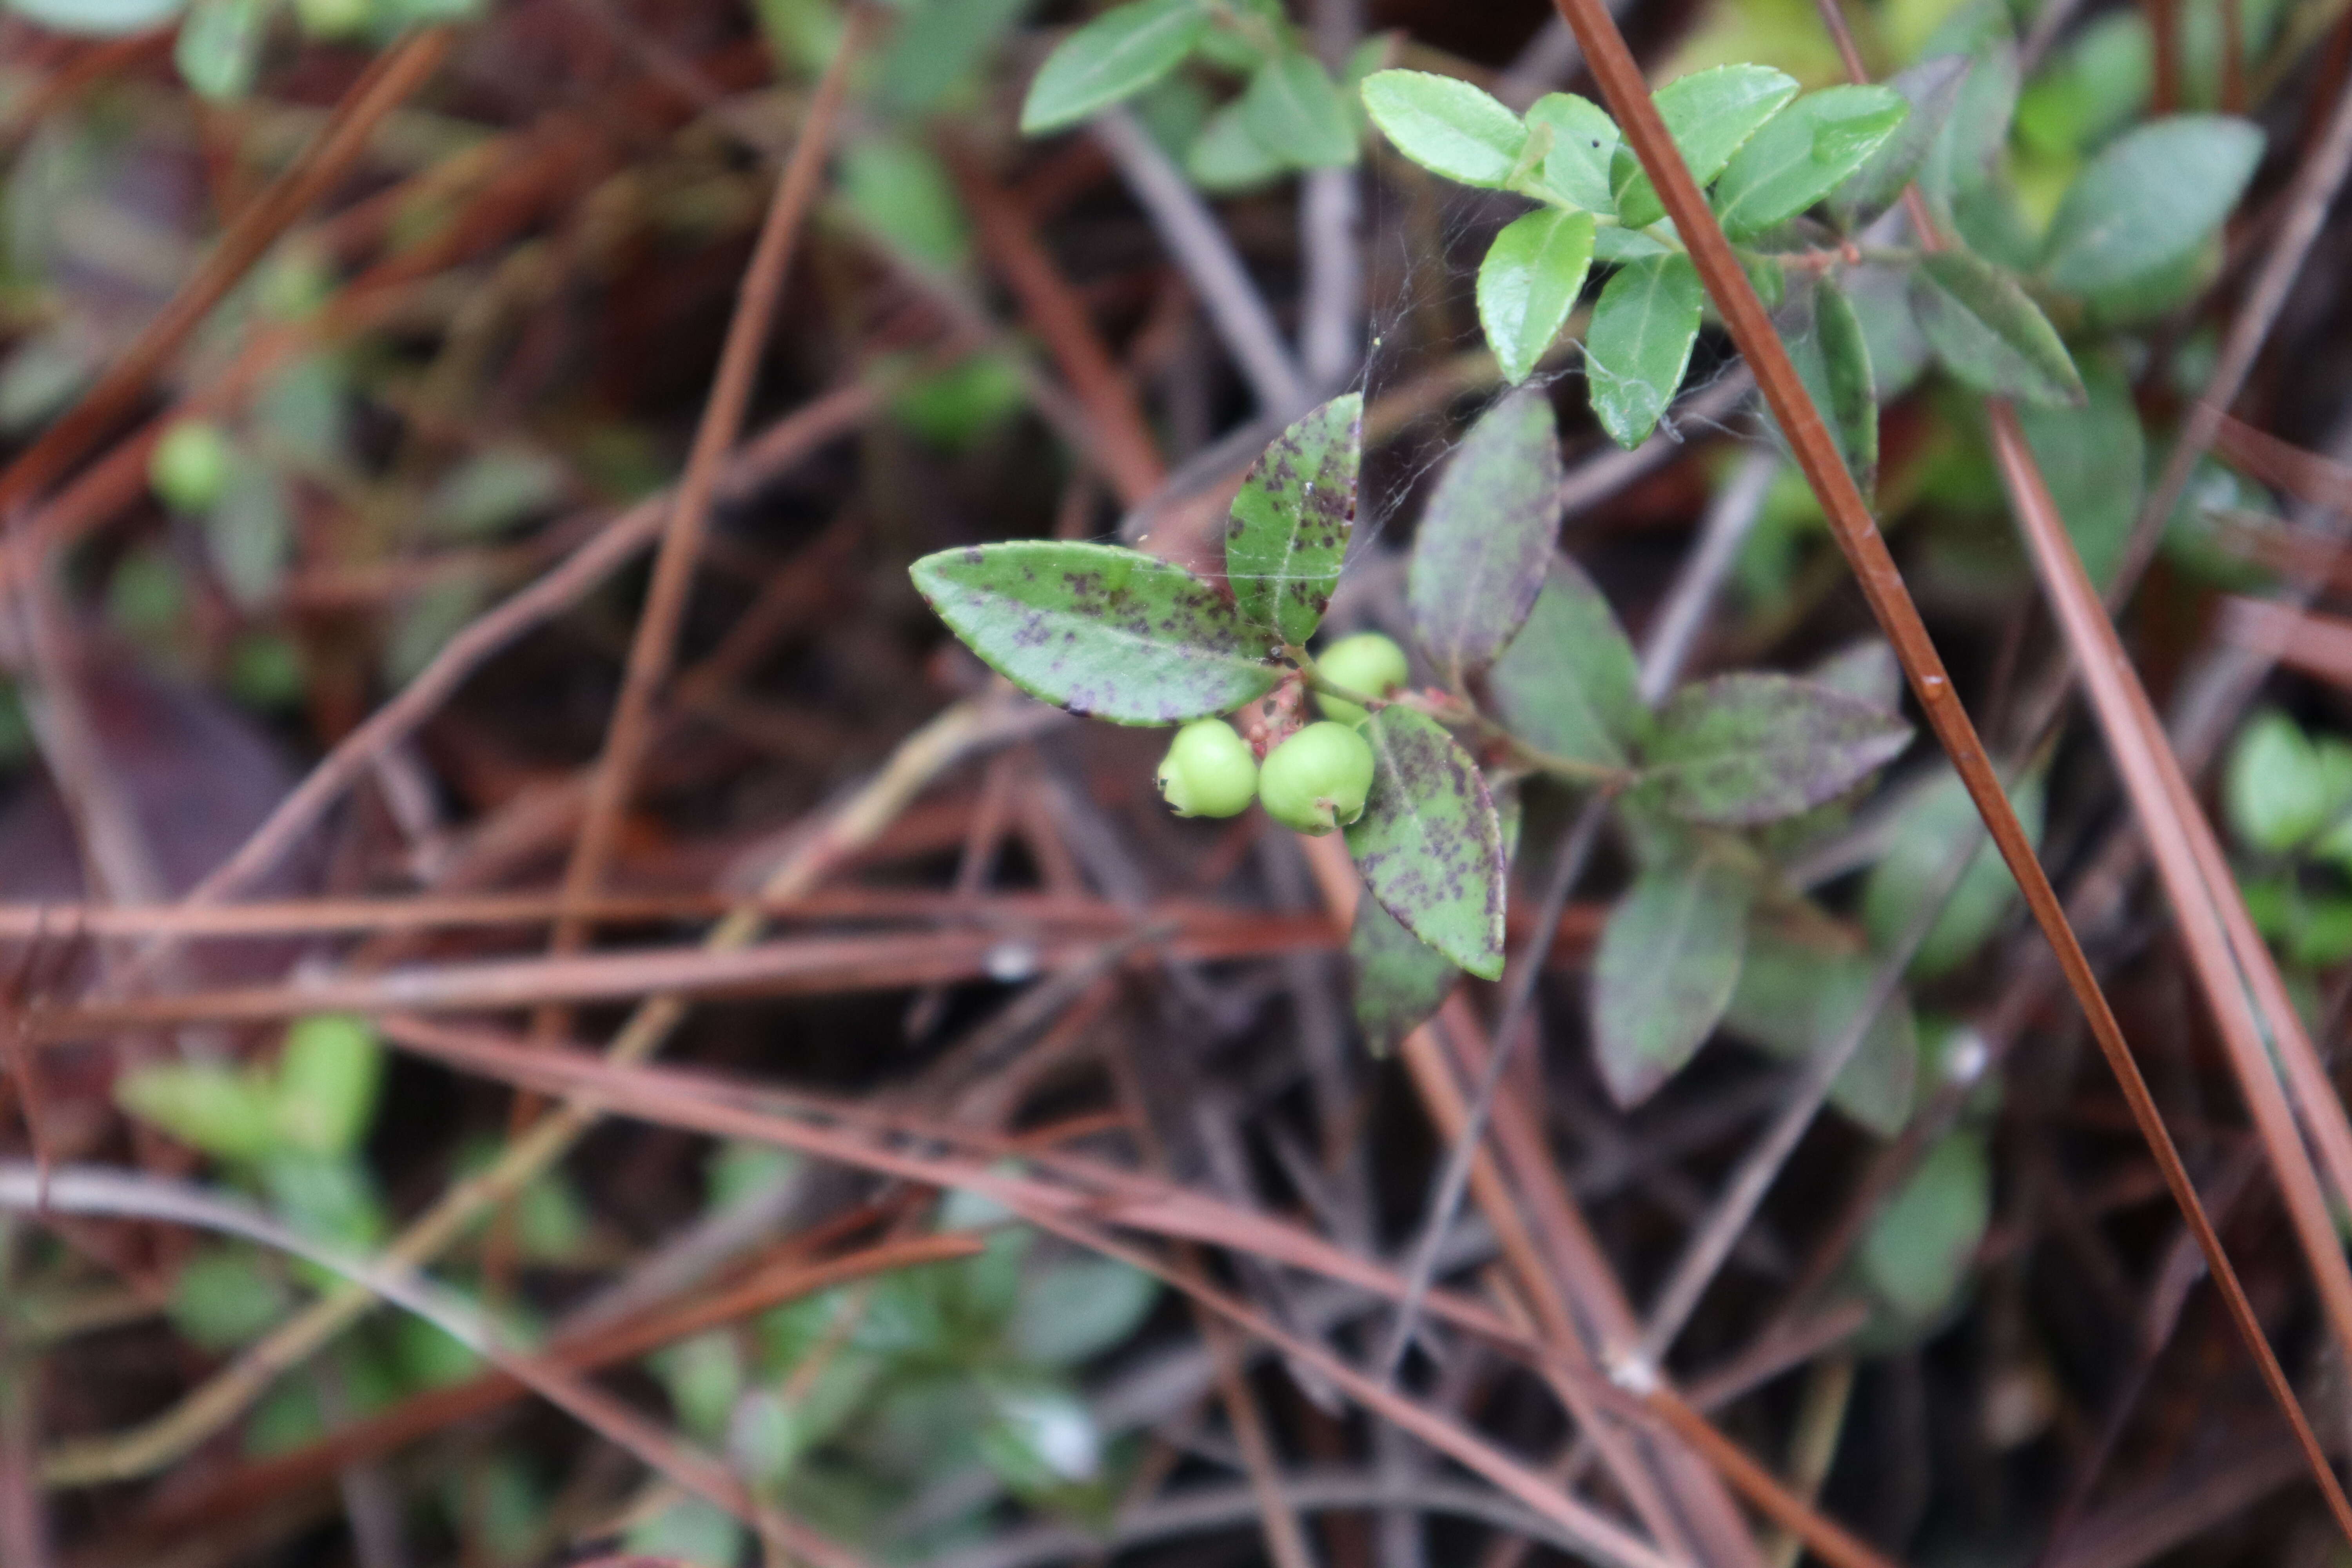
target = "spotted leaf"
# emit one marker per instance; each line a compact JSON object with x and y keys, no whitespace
{"x":1288,"y":532}
{"x":1430,"y":844}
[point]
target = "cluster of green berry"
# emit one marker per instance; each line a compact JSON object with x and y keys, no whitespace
{"x":1314,"y":779}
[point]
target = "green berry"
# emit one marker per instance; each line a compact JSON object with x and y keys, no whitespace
{"x":190,"y":466}
{"x":1209,"y":770}
{"x":1366,"y":662}
{"x":1317,"y":780}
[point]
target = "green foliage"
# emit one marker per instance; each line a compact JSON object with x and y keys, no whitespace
{"x":1568,"y":685}
{"x":1918,"y":1252}
{"x":1745,"y":749}
{"x":1398,"y":980}
{"x":1099,"y":630}
{"x":2149,"y":200}
{"x":1292,"y":109}
{"x":1110,"y":59}
{"x":1447,"y":126}
{"x":2094,"y":455}
{"x":191,"y":465}
{"x":1668,"y":961}
{"x":1914,"y":865}
{"x":1429,"y":843}
{"x":1796,"y":998}
{"x":1640,"y":343}
{"x":1528,"y":284}
{"x":1290,"y":524}
{"x":1710,"y":114}
{"x":2281,"y":788}
{"x":1801,"y":156}
{"x":1987,"y":331}
{"x":1479,"y":558}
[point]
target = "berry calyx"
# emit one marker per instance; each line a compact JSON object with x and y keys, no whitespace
{"x":1366,"y":662}
{"x":1209,"y":770}
{"x":189,"y":468}
{"x":1317,"y":780}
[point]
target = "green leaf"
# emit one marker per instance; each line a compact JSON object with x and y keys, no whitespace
{"x":1447,"y":126}
{"x":225,"y":1297}
{"x":1528,"y":283}
{"x":937,"y":45}
{"x":1479,"y":555}
{"x":1920,"y":1245}
{"x":1575,"y":168}
{"x":1986,"y":332}
{"x":1668,"y":961}
{"x":1710,"y":114}
{"x":2094,"y":458}
{"x":2150,"y":198}
{"x":1099,"y":630}
{"x":1429,"y":843}
{"x":1915,"y":862}
{"x":900,"y":190}
{"x":249,"y":533}
{"x":1931,"y":88}
{"x":1226,"y":156}
{"x":1795,"y":999}
{"x":1077,"y":1309}
{"x":1745,"y":749}
{"x":1293,"y":111}
{"x":219,"y":47}
{"x":1803,"y":154}
{"x":1114,"y":57}
{"x":223,"y":1112}
{"x":1568,"y":685}
{"x":1398,"y":980}
{"x":1977,"y":127}
{"x":1289,"y":527}
{"x":2276,"y":790}
{"x":328,"y":1079}
{"x":97,"y":17}
{"x":1639,"y":344}
{"x":1853,"y":401}
{"x":499,"y":485}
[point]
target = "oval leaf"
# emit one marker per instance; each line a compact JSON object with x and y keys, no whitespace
{"x":1931,"y":88}
{"x":1447,"y":126}
{"x":1640,"y":343}
{"x":1583,"y":144}
{"x":1289,"y":531}
{"x":1528,"y":283}
{"x":1794,"y":1000}
{"x":1429,"y":843}
{"x":1098,"y":629}
{"x":1292,"y":109}
{"x":1803,"y":154}
{"x":1112,"y":58}
{"x":1919,"y":1247}
{"x":1568,"y":685}
{"x":1913,"y":868}
{"x":1745,"y":749}
{"x":1668,"y":961}
{"x":2094,"y":459}
{"x":1710,"y":114}
{"x":1479,"y":556}
{"x":2150,"y":199}
{"x":1986,"y":332}
{"x":1399,"y":980}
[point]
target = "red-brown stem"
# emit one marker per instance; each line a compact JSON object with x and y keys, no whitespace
{"x":1890,"y":601}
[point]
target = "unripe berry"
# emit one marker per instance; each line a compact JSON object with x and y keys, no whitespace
{"x":1209,"y":770}
{"x":190,"y":466}
{"x":1317,"y":780}
{"x":1366,"y":662}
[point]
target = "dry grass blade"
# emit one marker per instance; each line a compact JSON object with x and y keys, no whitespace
{"x":1881,"y":584}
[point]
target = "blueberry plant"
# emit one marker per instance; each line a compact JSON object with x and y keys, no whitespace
{"x":2050,"y":266}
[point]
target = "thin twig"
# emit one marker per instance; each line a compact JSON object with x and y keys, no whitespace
{"x":1200,"y":248}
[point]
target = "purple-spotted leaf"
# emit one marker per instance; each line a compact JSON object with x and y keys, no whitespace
{"x":1479,"y":557}
{"x":1099,"y":630}
{"x":1745,"y":749}
{"x":1399,"y":980}
{"x":1429,"y":843}
{"x":1290,"y":522}
{"x":1668,"y":963}
{"x":1568,"y":684}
